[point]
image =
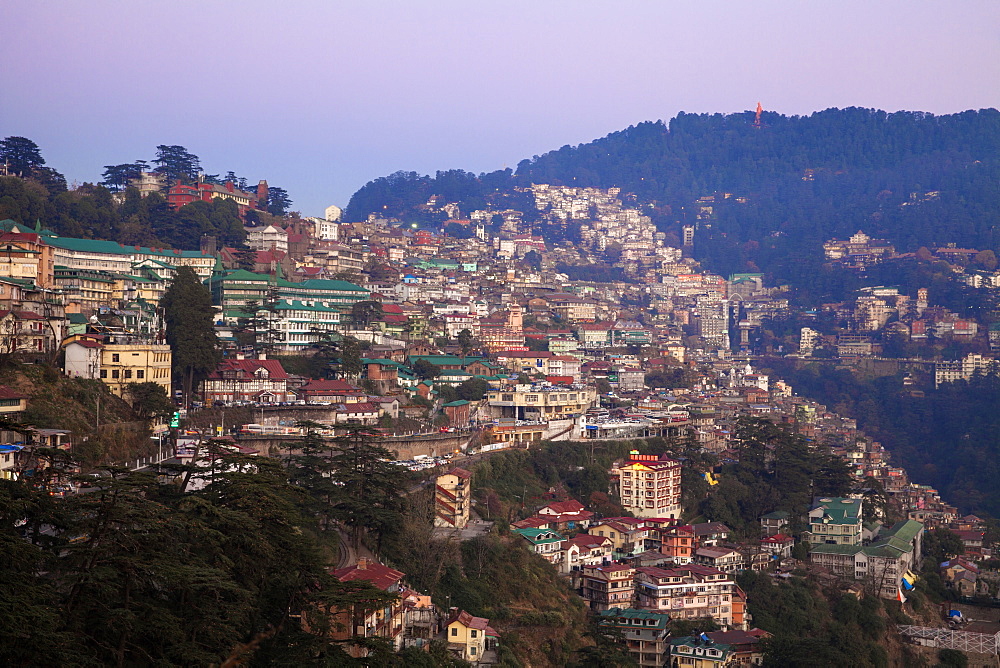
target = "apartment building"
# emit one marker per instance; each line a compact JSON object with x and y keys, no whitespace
{"x":690,"y":592}
{"x":649,"y":485}
{"x":606,"y":587}
{"x":540,"y":402}
{"x":835,"y":521}
{"x":452,"y":499}
{"x":135,"y":362}
{"x":646,"y":634}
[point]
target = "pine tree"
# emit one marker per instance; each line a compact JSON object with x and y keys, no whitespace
{"x":188,"y":311}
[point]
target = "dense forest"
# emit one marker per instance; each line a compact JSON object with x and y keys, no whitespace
{"x":805,"y":179}
{"x":945,"y":437}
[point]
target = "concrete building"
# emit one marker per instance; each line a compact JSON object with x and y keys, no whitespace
{"x":452,"y":499}
{"x":125,"y":363}
{"x":649,"y":485}
{"x":835,"y":521}
{"x":645,"y":632}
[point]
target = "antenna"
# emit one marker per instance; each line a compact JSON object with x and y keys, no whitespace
{"x":756,"y":121}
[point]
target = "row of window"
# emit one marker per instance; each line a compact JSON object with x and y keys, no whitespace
{"x":140,"y":374}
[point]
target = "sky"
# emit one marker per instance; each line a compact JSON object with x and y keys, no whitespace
{"x":320,"y":97}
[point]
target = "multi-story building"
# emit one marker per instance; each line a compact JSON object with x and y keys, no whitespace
{"x":124,"y":363}
{"x":690,"y":592}
{"x":119,"y":258}
{"x":882,"y":564}
{"x":540,"y":402}
{"x":384,"y":622}
{"x":646,"y":634}
{"x":258,"y":381}
{"x":835,"y":521}
{"x":649,"y":485}
{"x":544,"y":542}
{"x":470,"y":637}
{"x":452,"y":499}
{"x":606,"y":587}
{"x":696,"y":652}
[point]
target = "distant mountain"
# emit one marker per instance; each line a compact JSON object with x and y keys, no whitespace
{"x":805,"y":179}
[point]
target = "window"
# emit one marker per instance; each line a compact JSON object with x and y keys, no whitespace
{"x":104,"y":373}
{"x":140,"y":373}
{"x":114,"y":373}
{"x":473,"y":633}
{"x":472,"y":651}
{"x":115,"y":357}
{"x":128,"y":373}
{"x":454,"y":630}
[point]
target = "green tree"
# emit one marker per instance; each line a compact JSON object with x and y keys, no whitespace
{"x":150,"y":401}
{"x":365,"y":312}
{"x":278,"y":201}
{"x":369,"y":485}
{"x":350,"y":357}
{"x":21,"y":154}
{"x":246,"y":259}
{"x":176,"y":163}
{"x":188,"y":311}
{"x":426,"y":370}
{"x":465,"y":341}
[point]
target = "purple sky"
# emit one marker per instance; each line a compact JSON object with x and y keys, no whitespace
{"x":321,"y":97}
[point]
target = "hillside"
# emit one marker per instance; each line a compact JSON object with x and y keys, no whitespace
{"x":913,"y":178}
{"x":103,"y":426}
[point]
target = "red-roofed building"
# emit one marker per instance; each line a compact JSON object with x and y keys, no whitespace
{"x":331,"y":392}
{"x":385,"y":622}
{"x":606,"y":587}
{"x":452,"y":499}
{"x":470,"y":638}
{"x":259,"y":381}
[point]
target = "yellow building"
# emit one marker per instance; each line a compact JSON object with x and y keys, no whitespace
{"x":452,"y":499}
{"x":470,"y":637}
{"x":125,"y":363}
{"x":540,"y":402}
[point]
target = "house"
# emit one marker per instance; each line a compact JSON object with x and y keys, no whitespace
{"x":774,"y":522}
{"x":835,"y":521}
{"x":566,"y":515}
{"x":331,"y":392}
{"x":690,"y":592}
{"x":385,"y":622}
{"x":470,"y":638}
{"x":458,"y":412}
{"x":724,"y":558}
{"x":678,"y":544}
{"x":606,"y":587}
{"x":883,"y":563}
{"x":780,"y":545}
{"x":257,"y":381}
{"x":710,"y":534}
{"x":972,"y":540}
{"x":83,"y":358}
{"x":745,"y":645}
{"x":452,"y":499}
{"x":628,"y":535}
{"x":363,"y":412}
{"x":135,"y":362}
{"x":584,"y":550}
{"x":645,"y":633}
{"x":12,"y":404}
{"x":700,"y":652}
{"x":649,"y":485}
{"x":961,"y":575}
{"x":544,"y":542}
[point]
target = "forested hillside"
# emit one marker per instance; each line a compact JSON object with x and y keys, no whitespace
{"x":806,"y":179}
{"x":947,"y":438}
